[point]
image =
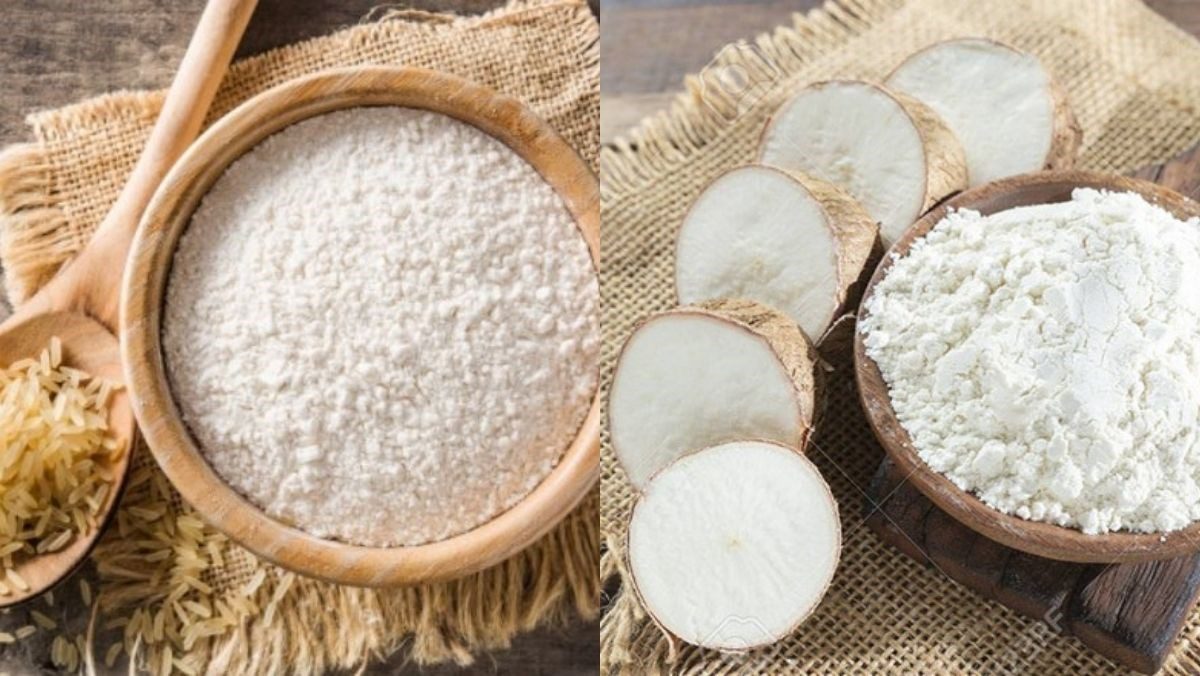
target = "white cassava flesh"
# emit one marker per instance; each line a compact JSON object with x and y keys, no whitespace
{"x":1007,"y":111}
{"x":786,"y":240}
{"x":733,"y":547}
{"x":703,"y":375}
{"x":890,"y":152}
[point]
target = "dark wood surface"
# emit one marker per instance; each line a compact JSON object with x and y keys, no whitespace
{"x":648,"y":46}
{"x":54,"y":52}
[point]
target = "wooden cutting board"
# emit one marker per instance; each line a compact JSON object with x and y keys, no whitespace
{"x":1131,"y":613}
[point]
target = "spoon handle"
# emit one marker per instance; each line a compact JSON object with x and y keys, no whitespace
{"x":91,"y":282}
{"x":184,"y":109}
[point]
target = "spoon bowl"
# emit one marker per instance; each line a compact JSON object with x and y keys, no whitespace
{"x":1033,"y":537}
{"x":87,"y":346}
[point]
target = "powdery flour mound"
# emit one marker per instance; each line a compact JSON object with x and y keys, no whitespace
{"x":382,"y":326}
{"x":1046,"y":358}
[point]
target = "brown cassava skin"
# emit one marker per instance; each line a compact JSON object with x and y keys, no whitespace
{"x":674,"y":641}
{"x":795,"y":352}
{"x":854,"y":234}
{"x":945,"y":162}
{"x":1066,"y":135}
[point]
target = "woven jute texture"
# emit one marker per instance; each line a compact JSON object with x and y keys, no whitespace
{"x":1132,"y":79}
{"x":173,"y":590}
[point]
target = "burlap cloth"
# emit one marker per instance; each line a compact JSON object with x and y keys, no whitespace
{"x":1134,"y":81}
{"x":161,"y":569}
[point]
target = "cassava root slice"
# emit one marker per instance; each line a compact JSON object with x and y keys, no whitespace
{"x":702,"y":375}
{"x":889,"y":151}
{"x":732,"y":547}
{"x":784,"y":239}
{"x":1006,"y":109}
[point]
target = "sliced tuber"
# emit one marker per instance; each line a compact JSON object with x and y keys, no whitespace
{"x":699,"y":376}
{"x":1007,"y":111}
{"x":732,"y":547}
{"x":787,"y":240}
{"x":890,"y":152}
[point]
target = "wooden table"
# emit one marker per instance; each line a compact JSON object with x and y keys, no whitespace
{"x":55,"y":52}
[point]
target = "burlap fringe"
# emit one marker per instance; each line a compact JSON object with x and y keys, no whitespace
{"x":153,"y":567}
{"x":34,"y":225}
{"x":669,"y":137}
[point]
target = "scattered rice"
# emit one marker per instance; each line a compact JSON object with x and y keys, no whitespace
{"x":114,"y":651}
{"x":54,"y":442}
{"x":253,"y":584}
{"x":26,"y":631}
{"x":154,"y":586}
{"x":16,"y":580}
{"x":43,"y":620}
{"x":85,"y":592}
{"x":64,"y":654}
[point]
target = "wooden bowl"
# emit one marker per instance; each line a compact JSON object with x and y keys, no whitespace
{"x":1033,"y":537}
{"x":143,"y":294}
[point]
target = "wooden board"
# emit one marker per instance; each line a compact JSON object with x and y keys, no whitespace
{"x":1131,"y":613}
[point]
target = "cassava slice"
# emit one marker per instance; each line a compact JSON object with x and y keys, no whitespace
{"x":703,"y":375}
{"x":784,"y":239}
{"x":1006,"y":109}
{"x":890,"y":152}
{"x":732,"y":547}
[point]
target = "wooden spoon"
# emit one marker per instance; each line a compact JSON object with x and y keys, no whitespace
{"x":81,"y":304}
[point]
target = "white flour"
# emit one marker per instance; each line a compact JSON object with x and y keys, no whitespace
{"x":1047,"y":359}
{"x":382,"y":326}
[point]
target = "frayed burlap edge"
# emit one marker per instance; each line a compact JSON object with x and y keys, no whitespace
{"x":34,"y":226}
{"x":280,"y":622}
{"x":155,"y":562}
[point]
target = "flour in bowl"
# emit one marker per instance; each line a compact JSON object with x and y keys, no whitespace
{"x":382,"y":326}
{"x":1047,"y":358}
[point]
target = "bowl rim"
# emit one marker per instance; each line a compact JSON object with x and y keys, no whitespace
{"x":1033,"y":537}
{"x":143,"y":290}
